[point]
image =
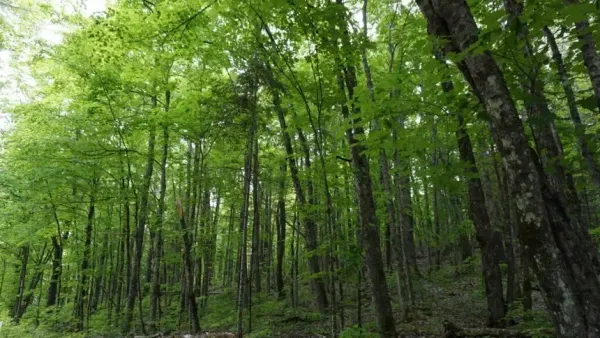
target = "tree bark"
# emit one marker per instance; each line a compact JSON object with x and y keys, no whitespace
{"x":56,"y":271}
{"x":82,"y":288}
{"x":256,"y":245}
{"x":242,"y":284}
{"x":369,"y":232}
{"x":404,"y":205}
{"x":158,"y":247}
{"x":188,"y":277}
{"x":567,"y":273}
{"x":16,"y":310}
{"x":281,"y":229}
{"x":583,"y":142}
{"x":485,"y":234}
{"x":134,"y":282}
{"x":513,"y":290}
{"x":548,"y":143}
{"x":589,"y":52}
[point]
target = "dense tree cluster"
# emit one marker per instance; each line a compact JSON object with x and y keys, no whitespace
{"x":321,"y":154}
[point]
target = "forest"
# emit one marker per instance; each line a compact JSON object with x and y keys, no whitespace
{"x":300,"y":168}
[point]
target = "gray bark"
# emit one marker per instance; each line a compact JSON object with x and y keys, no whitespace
{"x":566,"y":272}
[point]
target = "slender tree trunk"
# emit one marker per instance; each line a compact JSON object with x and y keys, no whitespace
{"x":369,"y":232}
{"x":549,"y":146}
{"x":393,"y":232}
{"x":211,"y":252}
{"x":188,"y":277}
{"x":317,"y":283}
{"x":591,"y":59}
{"x":3,"y":275}
{"x":436,"y":193}
{"x":490,"y":244}
{"x":134,"y":282}
{"x":404,"y":205}
{"x":56,"y":271}
{"x":100,"y":273}
{"x":256,"y":254}
{"x":16,"y":309}
{"x":281,"y":229}
{"x":242,"y":283}
{"x":267,"y":241}
{"x":82,"y":290}
{"x":583,"y":142}
{"x":156,"y":278}
{"x":513,"y":290}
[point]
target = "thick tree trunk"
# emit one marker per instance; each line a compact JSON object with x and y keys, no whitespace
{"x":567,"y":273}
{"x":548,"y":143}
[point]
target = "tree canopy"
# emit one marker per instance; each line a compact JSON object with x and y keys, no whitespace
{"x":300,"y":168}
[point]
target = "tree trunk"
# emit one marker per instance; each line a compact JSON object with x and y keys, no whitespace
{"x":56,"y":271}
{"x":82,"y":288}
{"x":513,"y":290}
{"x":16,"y":309}
{"x":549,"y":146}
{"x":591,"y":59}
{"x":584,"y":146}
{"x":242,"y":284}
{"x":485,"y":234}
{"x":281,"y":228}
{"x":211,"y":249}
{"x":256,"y":252}
{"x":369,"y":232}
{"x":188,"y":277}
{"x":158,"y":247}
{"x":134,"y":282}
{"x":567,"y":273}
{"x":317,"y":283}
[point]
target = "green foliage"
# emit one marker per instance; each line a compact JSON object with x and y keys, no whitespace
{"x":595,"y":232}
{"x":199,"y":71}
{"x":535,"y":322}
{"x":357,"y":332}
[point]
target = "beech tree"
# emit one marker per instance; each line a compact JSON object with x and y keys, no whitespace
{"x":263,"y":168}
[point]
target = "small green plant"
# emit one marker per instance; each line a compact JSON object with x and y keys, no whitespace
{"x":535,"y":322}
{"x":357,"y":332}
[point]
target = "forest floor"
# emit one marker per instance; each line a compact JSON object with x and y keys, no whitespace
{"x":452,"y":294}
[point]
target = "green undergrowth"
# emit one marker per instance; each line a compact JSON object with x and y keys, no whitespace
{"x":453,"y":293}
